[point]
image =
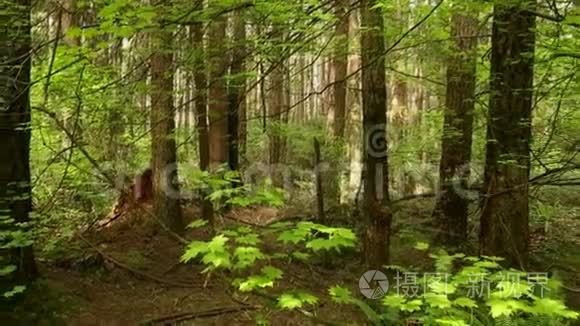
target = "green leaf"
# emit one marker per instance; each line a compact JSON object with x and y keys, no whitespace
{"x":194,"y":249}
{"x":465,"y":302}
{"x":293,"y":236}
{"x":197,"y":224}
{"x":437,"y":300}
{"x":289,"y":301}
{"x":269,"y":275}
{"x":319,"y":244}
{"x":412,"y":306}
{"x":394,"y":301}
{"x":551,"y":307}
{"x":423,"y":246}
{"x":441,"y":287}
{"x":499,"y":307}
{"x":307,"y":297}
{"x":217,"y":259}
{"x":511,"y":289}
{"x":218,"y":243}
{"x":6,"y":270}
{"x":451,"y":322}
{"x":254,"y":282}
{"x":16,"y":290}
{"x":340,"y":295}
{"x":247,"y":256}
{"x":272,"y":272}
{"x":296,"y":300}
{"x":248,"y":239}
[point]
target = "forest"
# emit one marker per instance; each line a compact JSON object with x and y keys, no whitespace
{"x":290,"y":162}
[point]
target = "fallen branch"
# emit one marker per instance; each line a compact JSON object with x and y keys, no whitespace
{"x":192,"y":315}
{"x":134,"y":271}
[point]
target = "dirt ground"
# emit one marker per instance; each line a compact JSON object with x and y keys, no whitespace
{"x":129,"y":274}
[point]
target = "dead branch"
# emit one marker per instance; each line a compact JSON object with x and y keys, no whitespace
{"x":132,"y":270}
{"x":175,"y":318}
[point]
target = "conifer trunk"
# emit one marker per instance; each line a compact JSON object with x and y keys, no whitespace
{"x":374,"y":94}
{"x":452,"y":203}
{"x":164,"y":152}
{"x":505,"y":209}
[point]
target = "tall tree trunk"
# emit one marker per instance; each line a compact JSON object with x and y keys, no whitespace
{"x":452,"y":204}
{"x":200,"y":79}
{"x":15,"y":193}
{"x":164,"y":152}
{"x":237,"y":96}
{"x":301,"y":115}
{"x":374,"y":93}
{"x":340,"y":67}
{"x":276,"y":105}
{"x":116,"y":119}
{"x":504,"y":220}
{"x":218,"y":98}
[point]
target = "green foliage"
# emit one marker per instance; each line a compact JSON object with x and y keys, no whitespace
{"x":265,"y":279}
{"x":12,"y":236}
{"x":319,"y":237}
{"x":238,"y":250}
{"x":466,"y":290}
{"x":224,"y":188}
{"x":17,"y":289}
{"x":296,"y":300}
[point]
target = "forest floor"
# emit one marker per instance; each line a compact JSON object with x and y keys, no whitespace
{"x":130,"y":275}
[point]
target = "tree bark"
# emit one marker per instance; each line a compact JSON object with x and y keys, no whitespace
{"x":374,"y":94}
{"x":504,"y":220}
{"x":277,"y":108}
{"x":200,"y":80}
{"x":164,"y":153}
{"x":340,"y":67}
{"x":452,"y":204}
{"x":237,"y":96}
{"x":218,"y":97}
{"x":15,"y":192}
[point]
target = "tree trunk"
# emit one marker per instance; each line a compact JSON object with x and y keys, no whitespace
{"x":276,"y":105}
{"x":200,"y":79}
{"x":452,"y":204}
{"x":164,"y":152}
{"x":237,"y":96}
{"x":340,"y":67}
{"x":504,"y":220}
{"x":15,"y":193}
{"x":374,"y":93}
{"x":218,"y":97}
{"x":301,"y":115}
